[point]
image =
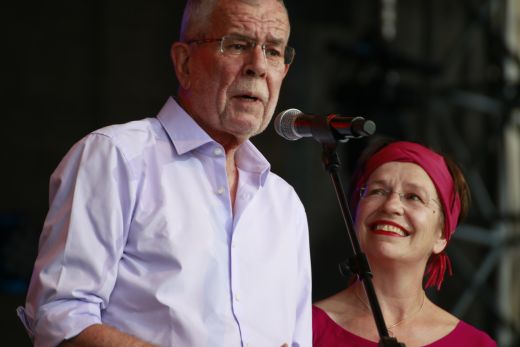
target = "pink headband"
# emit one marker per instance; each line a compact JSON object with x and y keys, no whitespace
{"x":435,"y":166}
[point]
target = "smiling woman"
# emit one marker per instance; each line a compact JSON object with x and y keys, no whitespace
{"x":408,"y":201}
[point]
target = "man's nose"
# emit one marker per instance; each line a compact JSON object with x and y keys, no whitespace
{"x":256,"y":64}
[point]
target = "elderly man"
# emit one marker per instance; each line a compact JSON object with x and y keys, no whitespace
{"x":172,"y":231}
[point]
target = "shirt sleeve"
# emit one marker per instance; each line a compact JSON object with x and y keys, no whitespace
{"x":303,"y":330}
{"x":81,"y":243}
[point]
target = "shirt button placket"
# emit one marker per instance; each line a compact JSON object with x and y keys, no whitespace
{"x":217,"y":152}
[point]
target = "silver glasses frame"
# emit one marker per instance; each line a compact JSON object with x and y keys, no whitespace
{"x":288,"y":51}
{"x":402,"y":195}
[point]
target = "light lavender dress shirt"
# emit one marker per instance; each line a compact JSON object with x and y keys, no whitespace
{"x":141,"y":235}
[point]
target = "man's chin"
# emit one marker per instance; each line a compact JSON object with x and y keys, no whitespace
{"x":247,"y":123}
{"x":244,"y":132}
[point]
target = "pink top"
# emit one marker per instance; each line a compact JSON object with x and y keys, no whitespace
{"x":326,"y":333}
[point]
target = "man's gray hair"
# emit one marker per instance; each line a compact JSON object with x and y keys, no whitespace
{"x":197,"y":14}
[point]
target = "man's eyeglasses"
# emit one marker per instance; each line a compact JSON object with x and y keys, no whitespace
{"x":412,"y":199}
{"x":276,"y":54}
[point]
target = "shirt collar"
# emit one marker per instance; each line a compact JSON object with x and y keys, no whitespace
{"x":186,"y":135}
{"x":250,"y":159}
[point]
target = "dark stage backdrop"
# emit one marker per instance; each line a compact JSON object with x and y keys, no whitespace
{"x":71,"y":67}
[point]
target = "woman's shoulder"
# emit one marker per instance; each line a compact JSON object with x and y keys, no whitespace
{"x":328,"y":333}
{"x":465,"y":334}
{"x":319,"y":316}
{"x":339,"y":302}
{"x":322,"y":324}
{"x":470,"y":333}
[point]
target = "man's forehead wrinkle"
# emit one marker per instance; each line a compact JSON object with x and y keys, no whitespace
{"x":275,"y":26}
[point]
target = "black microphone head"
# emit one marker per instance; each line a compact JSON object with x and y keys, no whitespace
{"x":284,"y":124}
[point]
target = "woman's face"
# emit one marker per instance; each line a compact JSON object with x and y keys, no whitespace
{"x":399,"y":216}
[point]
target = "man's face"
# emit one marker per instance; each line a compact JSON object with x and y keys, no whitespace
{"x":233,"y":97}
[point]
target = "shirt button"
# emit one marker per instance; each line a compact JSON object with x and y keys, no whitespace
{"x":220,"y":190}
{"x":245,"y":196}
{"x":217,"y":151}
{"x":237,"y":297}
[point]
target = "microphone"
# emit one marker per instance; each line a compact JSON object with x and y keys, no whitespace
{"x":293,"y":124}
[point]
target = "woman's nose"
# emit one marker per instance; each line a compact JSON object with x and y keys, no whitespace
{"x":393,"y":203}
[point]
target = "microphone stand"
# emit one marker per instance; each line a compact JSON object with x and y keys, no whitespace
{"x":358,"y":263}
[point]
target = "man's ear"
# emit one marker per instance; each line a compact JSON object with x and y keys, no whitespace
{"x":180,"y":54}
{"x":286,"y":70}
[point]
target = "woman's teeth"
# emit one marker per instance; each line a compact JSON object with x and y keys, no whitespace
{"x":390,"y":228}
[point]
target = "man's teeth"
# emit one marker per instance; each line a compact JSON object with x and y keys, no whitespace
{"x":390,"y":228}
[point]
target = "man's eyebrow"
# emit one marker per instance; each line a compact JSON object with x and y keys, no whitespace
{"x":270,"y":40}
{"x":239,"y":36}
{"x":273,"y":40}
